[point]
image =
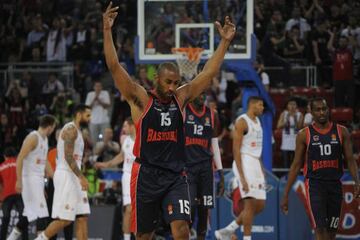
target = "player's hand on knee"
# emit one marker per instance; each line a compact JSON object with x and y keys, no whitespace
{"x":109,"y":16}
{"x":285,"y":204}
{"x":84,"y":183}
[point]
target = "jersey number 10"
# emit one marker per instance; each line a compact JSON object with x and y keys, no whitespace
{"x":325,"y":149}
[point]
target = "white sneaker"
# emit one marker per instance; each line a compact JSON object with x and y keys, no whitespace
{"x":14,"y":235}
{"x":223,"y":234}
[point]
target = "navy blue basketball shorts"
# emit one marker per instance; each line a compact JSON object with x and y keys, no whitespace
{"x":157,"y":193}
{"x":201,"y":181}
{"x":324,"y":199}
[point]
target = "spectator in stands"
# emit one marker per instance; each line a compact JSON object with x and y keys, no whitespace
{"x":36,"y":54}
{"x":308,"y":118}
{"x":99,"y":101}
{"x":342,"y":71}
{"x":294,"y":46}
{"x":38,"y":32}
{"x":143,"y":79}
{"x":275,"y":19}
{"x":18,"y":107}
{"x":81,"y":43}
{"x":56,"y":42}
{"x":337,"y":20}
{"x":352,"y":31}
{"x":7,"y":132}
{"x":165,"y":40}
{"x":51,"y":88}
{"x":106,"y":149}
{"x":60,"y":108}
{"x":299,"y":21}
{"x":10,"y":197}
{"x":313,"y":11}
{"x":270,"y":47}
{"x":264,"y":77}
{"x":319,"y":40}
{"x":290,"y":121}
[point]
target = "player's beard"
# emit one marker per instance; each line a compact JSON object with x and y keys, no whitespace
{"x":165,"y":96}
{"x":83,"y":124}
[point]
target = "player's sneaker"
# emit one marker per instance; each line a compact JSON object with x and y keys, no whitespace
{"x":223,"y":234}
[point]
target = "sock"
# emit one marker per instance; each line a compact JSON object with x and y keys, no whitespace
{"x":42,"y":236}
{"x":247,"y":238}
{"x":15,"y":234}
{"x":127,"y":236}
{"x":232,"y":226}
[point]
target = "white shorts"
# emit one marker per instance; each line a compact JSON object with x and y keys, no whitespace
{"x":33,"y":197}
{"x":69,"y":199}
{"x":254,"y":177}
{"x":125,"y":183}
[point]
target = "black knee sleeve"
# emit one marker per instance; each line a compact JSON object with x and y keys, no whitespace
{"x":41,"y":224}
{"x":22,"y":224}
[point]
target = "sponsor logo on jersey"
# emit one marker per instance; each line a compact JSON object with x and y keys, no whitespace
{"x":333,"y":137}
{"x":156,"y":136}
{"x":316,"y":138}
{"x":191,"y":117}
{"x":170,"y":209}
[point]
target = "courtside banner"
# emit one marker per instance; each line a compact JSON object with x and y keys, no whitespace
{"x":265,"y":225}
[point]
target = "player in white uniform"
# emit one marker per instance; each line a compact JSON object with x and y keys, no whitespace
{"x":126,"y":155}
{"x":30,"y":173}
{"x":247,"y":167}
{"x":70,"y":196}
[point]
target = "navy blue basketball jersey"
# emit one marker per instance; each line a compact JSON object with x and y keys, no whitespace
{"x":160,"y":135}
{"x":198,"y":134}
{"x":324,"y":157}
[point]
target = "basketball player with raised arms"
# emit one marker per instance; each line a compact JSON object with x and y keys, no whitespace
{"x":159,"y":184}
{"x":320,"y":149}
{"x":247,"y":168}
{"x":126,"y":157}
{"x":70,"y":196}
{"x":31,"y":165}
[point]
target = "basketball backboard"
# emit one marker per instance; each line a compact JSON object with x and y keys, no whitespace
{"x":165,"y":24}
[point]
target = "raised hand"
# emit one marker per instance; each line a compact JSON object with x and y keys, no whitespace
{"x":227,"y":31}
{"x":109,"y":16}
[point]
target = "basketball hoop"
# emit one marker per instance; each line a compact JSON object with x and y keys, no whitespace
{"x":188,"y":60}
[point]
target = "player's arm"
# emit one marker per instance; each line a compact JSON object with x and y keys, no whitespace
{"x":295,"y":166}
{"x":189,"y":91}
{"x":238,"y":135}
{"x":29,"y":144}
{"x":216,"y":153}
{"x":48,"y":170}
{"x":349,"y":158}
{"x":113,"y":162}
{"x":69,"y":136}
{"x":133,"y":93}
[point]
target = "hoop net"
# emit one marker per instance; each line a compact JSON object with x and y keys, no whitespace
{"x":188,"y":60}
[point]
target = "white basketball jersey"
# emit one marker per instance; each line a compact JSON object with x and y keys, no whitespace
{"x":61,"y":162}
{"x":129,"y":158}
{"x":34,"y":163}
{"x":253,"y":140}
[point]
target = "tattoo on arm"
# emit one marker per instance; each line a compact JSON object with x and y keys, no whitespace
{"x":69,"y":136}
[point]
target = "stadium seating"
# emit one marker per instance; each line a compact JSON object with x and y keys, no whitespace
{"x":342,"y":115}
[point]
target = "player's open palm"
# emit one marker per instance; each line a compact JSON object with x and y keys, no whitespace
{"x":109,"y":16}
{"x":227,"y":31}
